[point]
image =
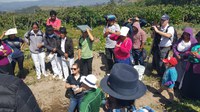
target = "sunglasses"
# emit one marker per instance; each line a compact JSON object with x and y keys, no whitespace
{"x":73,"y":68}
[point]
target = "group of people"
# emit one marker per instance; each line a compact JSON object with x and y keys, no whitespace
{"x":124,"y":48}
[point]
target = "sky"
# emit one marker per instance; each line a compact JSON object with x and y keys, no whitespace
{"x":7,"y":1}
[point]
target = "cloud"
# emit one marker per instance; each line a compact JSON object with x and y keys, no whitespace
{"x":7,"y":1}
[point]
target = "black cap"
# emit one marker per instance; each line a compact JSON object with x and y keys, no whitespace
{"x":53,"y":12}
{"x":63,"y":30}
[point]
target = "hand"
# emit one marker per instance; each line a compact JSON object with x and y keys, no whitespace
{"x":54,"y":49}
{"x":66,"y":55}
{"x":194,"y":54}
{"x":155,"y":28}
{"x":130,"y":20}
{"x":4,"y":53}
{"x":108,"y":30}
{"x":179,"y":57}
{"x":39,"y":45}
{"x":78,"y":91}
{"x":117,"y":45}
{"x":73,"y":86}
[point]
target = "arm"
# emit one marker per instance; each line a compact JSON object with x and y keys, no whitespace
{"x":71,"y":47}
{"x":127,"y":47}
{"x":67,"y":86}
{"x":167,"y":34}
{"x":79,"y":54}
{"x":7,"y":50}
{"x":143,"y":39}
{"x":3,"y":34}
{"x":47,"y":45}
{"x":114,"y":37}
{"x":26,"y":37}
{"x":90,"y":35}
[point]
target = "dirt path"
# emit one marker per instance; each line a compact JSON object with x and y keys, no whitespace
{"x":50,"y":92}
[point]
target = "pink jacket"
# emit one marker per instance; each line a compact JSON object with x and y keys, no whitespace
{"x":122,"y":52}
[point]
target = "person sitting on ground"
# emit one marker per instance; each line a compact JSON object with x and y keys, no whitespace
{"x":85,"y":52}
{"x":123,"y":88}
{"x":16,"y":43}
{"x":16,"y":96}
{"x":35,"y":40}
{"x":72,"y":84}
{"x":66,"y":50}
{"x":54,"y":22}
{"x":5,"y":66}
{"x":123,"y":46}
{"x":169,"y":77}
{"x":93,"y":95}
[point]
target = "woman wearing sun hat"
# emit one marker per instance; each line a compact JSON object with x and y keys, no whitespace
{"x":123,"y":88}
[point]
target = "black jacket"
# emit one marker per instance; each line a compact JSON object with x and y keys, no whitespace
{"x":15,"y":96}
{"x":69,"y":48}
{"x":51,"y":43}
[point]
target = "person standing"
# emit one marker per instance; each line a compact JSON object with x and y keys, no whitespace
{"x":35,"y":40}
{"x":167,"y":35}
{"x":66,"y":50}
{"x":122,"y":47}
{"x":111,"y":28}
{"x":85,"y":53}
{"x":51,"y":43}
{"x":16,"y":43}
{"x":5,"y":66}
{"x":54,"y":22}
{"x":139,"y":39}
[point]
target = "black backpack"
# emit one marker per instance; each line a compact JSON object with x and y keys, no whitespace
{"x":175,"y":39}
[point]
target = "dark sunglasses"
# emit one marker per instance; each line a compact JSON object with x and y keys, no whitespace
{"x":73,"y":68}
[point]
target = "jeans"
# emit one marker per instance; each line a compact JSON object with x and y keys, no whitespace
{"x":57,"y":70}
{"x":73,"y":103}
{"x":39,"y":62}
{"x":125,"y":61}
{"x":138,"y":56}
{"x":110,"y":58}
{"x":86,"y":66}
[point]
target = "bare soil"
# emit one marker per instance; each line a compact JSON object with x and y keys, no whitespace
{"x":50,"y":93}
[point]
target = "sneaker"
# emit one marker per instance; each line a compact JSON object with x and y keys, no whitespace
{"x":38,"y":77}
{"x":54,"y":76}
{"x":64,"y":80}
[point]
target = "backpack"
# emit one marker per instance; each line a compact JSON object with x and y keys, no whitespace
{"x":175,"y":39}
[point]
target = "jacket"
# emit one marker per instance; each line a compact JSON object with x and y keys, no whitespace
{"x":15,"y":96}
{"x":51,"y":42}
{"x":91,"y":101}
{"x":69,"y":48}
{"x":4,"y":59}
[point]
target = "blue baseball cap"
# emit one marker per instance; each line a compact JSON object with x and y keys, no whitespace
{"x":165,"y":17}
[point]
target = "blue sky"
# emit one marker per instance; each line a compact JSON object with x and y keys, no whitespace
{"x":6,"y":1}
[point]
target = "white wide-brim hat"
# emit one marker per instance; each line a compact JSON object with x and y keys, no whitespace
{"x":90,"y":80}
{"x":124,"y":31}
{"x":11,"y":31}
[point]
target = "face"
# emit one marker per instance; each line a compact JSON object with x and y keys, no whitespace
{"x":49,"y":32}
{"x":12,"y":36}
{"x":75,"y":69}
{"x":135,"y":30}
{"x":85,"y":34}
{"x":53,"y":17}
{"x":35,"y":28}
{"x":62,"y":35}
{"x":164,"y":22}
{"x":167,"y":64}
{"x":186,"y":37}
{"x":111,"y":22}
{"x":85,"y":86}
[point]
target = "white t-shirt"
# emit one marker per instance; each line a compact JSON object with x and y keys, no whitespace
{"x":164,"y":41}
{"x":110,"y":43}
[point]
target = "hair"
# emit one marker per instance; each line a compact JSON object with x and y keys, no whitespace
{"x":35,"y":23}
{"x":53,"y":12}
{"x":76,"y":64}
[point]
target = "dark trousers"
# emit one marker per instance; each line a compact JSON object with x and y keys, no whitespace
{"x":109,"y":58}
{"x":6,"y":69}
{"x":86,"y":66}
{"x":138,"y":56}
{"x":155,"y":60}
{"x":164,"y":52}
{"x":20,"y":61}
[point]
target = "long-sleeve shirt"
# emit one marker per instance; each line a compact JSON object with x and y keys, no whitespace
{"x":33,"y":40}
{"x":170,"y":75}
{"x":4,"y":58}
{"x":56,"y":23}
{"x":122,"y":52}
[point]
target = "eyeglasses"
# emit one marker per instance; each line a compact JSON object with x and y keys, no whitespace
{"x":73,"y":68}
